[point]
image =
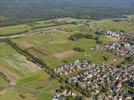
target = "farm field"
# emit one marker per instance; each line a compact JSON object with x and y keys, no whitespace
{"x":37,"y":86}
{"x":14,"y":29}
{"x":3,"y":81}
{"x":48,"y":47}
{"x":30,"y":27}
{"x":118,"y":26}
{"x":13,"y":64}
{"x":51,"y":44}
{"x":18,"y":70}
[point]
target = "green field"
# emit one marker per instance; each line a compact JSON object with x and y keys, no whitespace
{"x":42,"y":83}
{"x":45,"y":23}
{"x":37,"y":86}
{"x":58,"y":42}
{"x":14,"y":62}
{"x":118,"y":26}
{"x":3,"y":81}
{"x":14,"y":29}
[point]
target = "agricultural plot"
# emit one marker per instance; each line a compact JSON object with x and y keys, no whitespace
{"x":14,"y":29}
{"x":41,"y":24}
{"x":36,"y":86}
{"x":118,"y":26}
{"x":40,"y":80}
{"x":51,"y":47}
{"x":66,"y":54}
{"x":55,"y":48}
{"x":41,"y":83}
{"x":14,"y":65}
{"x":3,"y":81}
{"x":31,"y":27}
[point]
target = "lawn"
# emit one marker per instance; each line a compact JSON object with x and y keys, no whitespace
{"x":44,"y":96}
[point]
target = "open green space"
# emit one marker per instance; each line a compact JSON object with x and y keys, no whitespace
{"x":14,"y":62}
{"x":46,"y":46}
{"x":3,"y":81}
{"x":54,"y":48}
{"x":54,"y":44}
{"x":118,"y":26}
{"x":14,"y":29}
{"x":18,"y":29}
{"x":96,"y":57}
{"x":40,"y":81}
{"x":37,"y":86}
{"x":40,"y":24}
{"x":43,"y":84}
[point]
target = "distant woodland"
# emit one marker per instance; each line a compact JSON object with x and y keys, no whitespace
{"x":24,"y":11}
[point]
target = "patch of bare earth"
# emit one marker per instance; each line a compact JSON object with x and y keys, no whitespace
{"x":25,"y":45}
{"x":66,"y":54}
{"x":2,"y":92}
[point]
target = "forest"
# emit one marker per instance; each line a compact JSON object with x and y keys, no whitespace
{"x":24,"y":11}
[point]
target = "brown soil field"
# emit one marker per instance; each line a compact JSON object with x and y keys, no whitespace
{"x":11,"y":76}
{"x":66,"y":54}
{"x":25,"y":45}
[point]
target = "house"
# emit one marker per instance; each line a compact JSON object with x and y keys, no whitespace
{"x":58,"y":97}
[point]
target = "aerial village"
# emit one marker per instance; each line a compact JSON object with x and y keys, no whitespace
{"x":102,"y":82}
{"x":60,"y":73}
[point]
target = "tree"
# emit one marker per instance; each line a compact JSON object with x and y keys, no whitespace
{"x":78,"y":98}
{"x":78,"y":49}
{"x":99,"y":32}
{"x":129,"y":59}
{"x":89,"y":36}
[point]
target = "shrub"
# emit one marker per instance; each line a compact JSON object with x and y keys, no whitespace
{"x":78,"y":49}
{"x":78,"y":36}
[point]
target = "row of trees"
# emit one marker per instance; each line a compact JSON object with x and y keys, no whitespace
{"x":11,"y":34}
{"x":78,"y":36}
